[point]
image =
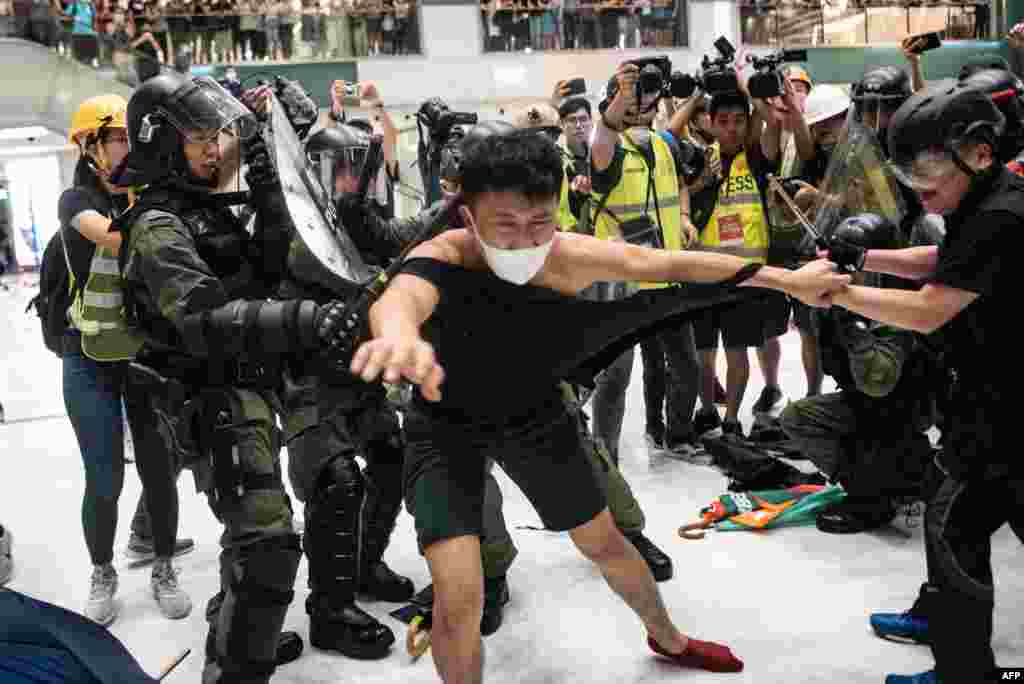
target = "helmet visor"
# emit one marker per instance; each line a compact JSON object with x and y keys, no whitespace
{"x":339,"y":170}
{"x":927,"y":171}
{"x":203,"y":109}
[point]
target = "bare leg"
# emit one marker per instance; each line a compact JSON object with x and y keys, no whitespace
{"x":628,"y":575}
{"x":458,"y":606}
{"x":736,"y":377}
{"x":812,"y":362}
{"x":770,"y":357}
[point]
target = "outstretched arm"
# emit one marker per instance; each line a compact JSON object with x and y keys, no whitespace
{"x":924,"y":311}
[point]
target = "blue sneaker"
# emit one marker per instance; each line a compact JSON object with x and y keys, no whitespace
{"x":902,"y":627}
{"x":928,"y":677}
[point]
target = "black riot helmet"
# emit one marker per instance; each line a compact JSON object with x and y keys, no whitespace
{"x":1007,"y":92}
{"x":933,"y":125}
{"x":336,"y":156}
{"x":169,"y":110}
{"x":878,"y":95}
{"x":452,"y":152}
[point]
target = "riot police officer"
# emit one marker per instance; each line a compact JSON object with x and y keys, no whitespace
{"x":196,"y":292}
{"x":330,"y":417}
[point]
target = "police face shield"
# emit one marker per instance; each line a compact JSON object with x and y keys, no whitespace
{"x":203,"y":109}
{"x":339,"y":170}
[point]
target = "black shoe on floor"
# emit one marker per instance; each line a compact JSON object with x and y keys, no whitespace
{"x":496,"y":596}
{"x":855,"y":516}
{"x":289,"y":647}
{"x":347,"y":629}
{"x":656,"y":436}
{"x":732,"y":427}
{"x":770,"y":399}
{"x":706,"y":421}
{"x":657,"y":560}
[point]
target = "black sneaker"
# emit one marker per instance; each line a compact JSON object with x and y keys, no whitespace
{"x":732,"y":427}
{"x":854,"y":516}
{"x":706,"y":421}
{"x":656,"y":436}
{"x":770,"y":399}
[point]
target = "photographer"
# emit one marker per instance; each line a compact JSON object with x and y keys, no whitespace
{"x":633,"y":170}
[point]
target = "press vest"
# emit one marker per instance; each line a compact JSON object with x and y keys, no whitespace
{"x":738,"y":225}
{"x":634,"y":197}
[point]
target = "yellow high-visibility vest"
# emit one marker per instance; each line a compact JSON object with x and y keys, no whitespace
{"x":98,"y":312}
{"x":738,"y":225}
{"x":630,"y":199}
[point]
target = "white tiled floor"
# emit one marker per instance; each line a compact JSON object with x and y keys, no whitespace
{"x":792,"y":603}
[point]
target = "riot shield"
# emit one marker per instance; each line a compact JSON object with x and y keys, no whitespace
{"x":324,"y":252}
{"x":857,"y":181}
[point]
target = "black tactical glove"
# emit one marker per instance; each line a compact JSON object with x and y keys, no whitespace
{"x":260,"y":173}
{"x":339,"y":326}
{"x":848,"y":256}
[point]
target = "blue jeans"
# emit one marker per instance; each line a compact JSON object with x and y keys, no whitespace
{"x":92,"y":398}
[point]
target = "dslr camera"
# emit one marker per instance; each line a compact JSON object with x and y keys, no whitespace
{"x":439,"y":120}
{"x":656,"y":76}
{"x":769,"y":81}
{"x":716,"y":75}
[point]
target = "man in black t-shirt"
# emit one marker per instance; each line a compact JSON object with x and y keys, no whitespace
{"x":942,"y":143}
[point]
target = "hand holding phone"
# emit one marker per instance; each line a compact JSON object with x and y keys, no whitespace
{"x":915,"y":45}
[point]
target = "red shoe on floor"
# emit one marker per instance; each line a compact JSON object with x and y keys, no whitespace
{"x":701,"y":655}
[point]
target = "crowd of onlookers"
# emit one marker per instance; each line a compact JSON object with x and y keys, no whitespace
{"x":511,"y":25}
{"x":214,"y":31}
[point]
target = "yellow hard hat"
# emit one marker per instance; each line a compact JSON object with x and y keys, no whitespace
{"x":102,"y":111}
{"x":798,"y":73}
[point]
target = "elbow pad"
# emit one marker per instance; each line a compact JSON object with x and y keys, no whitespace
{"x":252,"y":328}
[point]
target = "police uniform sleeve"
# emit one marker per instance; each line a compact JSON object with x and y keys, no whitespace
{"x":972,"y":259}
{"x":163,"y":257}
{"x":385,"y":238}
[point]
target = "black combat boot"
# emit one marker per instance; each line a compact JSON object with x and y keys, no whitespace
{"x":380,"y":511}
{"x":332,"y":547}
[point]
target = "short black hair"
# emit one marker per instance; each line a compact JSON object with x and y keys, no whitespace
{"x":731,"y":100}
{"x":521,"y":161}
{"x":573,"y":105}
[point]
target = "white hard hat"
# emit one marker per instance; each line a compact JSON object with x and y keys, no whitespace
{"x":824,"y":102}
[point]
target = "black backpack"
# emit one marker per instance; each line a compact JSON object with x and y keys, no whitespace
{"x":55,"y":294}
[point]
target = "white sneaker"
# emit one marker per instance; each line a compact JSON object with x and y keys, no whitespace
{"x":6,"y":560}
{"x":173,"y":601}
{"x":102,"y":607}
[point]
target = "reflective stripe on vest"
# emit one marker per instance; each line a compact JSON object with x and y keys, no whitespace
{"x":628,"y":200}
{"x":738,"y":225}
{"x":98,"y":312}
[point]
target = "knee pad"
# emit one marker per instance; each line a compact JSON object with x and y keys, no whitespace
{"x":254,"y":605}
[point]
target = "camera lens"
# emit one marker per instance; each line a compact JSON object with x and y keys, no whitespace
{"x":650,"y":79}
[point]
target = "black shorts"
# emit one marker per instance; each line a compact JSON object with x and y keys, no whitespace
{"x":747,"y":324}
{"x":805,"y":318}
{"x":445,"y":470}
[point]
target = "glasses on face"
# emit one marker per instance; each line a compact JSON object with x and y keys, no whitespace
{"x":204,"y":138}
{"x":576,"y":121}
{"x":927,"y":171}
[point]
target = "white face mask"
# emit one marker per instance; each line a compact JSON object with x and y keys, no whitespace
{"x":517,"y":266}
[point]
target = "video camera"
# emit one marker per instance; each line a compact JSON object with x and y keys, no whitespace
{"x":769,"y":81}
{"x":716,"y":75}
{"x":439,"y":120}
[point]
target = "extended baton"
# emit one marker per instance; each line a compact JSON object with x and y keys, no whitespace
{"x":777,"y":186}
